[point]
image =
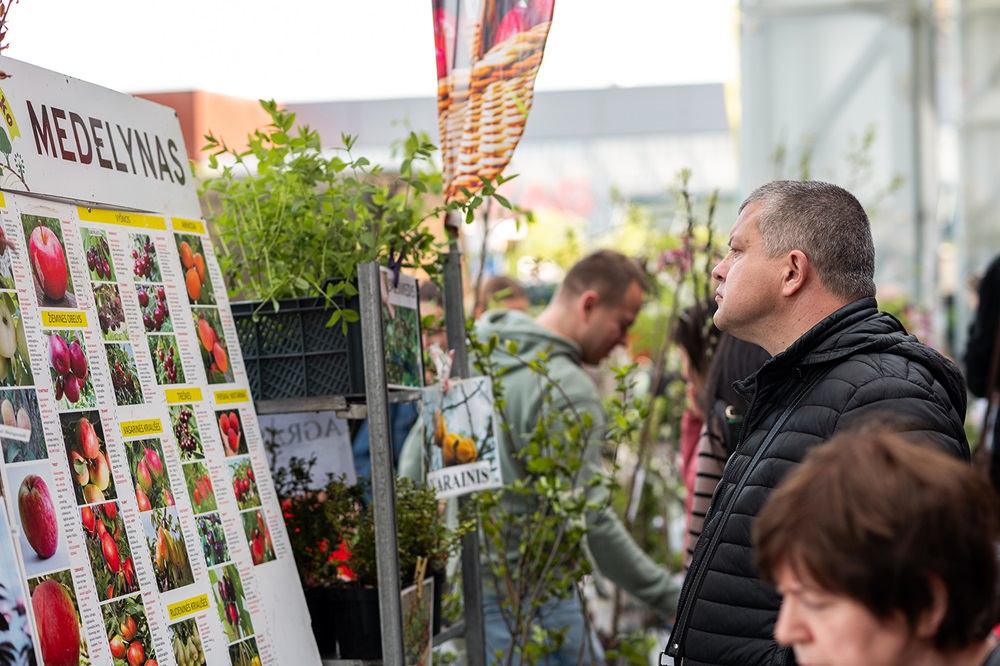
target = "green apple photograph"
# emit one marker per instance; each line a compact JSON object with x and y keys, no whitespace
{"x":41,"y":537}
{"x":21,"y":434}
{"x":15,"y":366}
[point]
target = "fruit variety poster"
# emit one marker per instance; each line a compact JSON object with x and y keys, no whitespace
{"x":144,"y":525}
{"x":460,"y":451}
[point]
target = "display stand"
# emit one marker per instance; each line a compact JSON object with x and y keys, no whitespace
{"x":375,"y":409}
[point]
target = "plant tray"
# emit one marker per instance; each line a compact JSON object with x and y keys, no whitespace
{"x":292,"y":353}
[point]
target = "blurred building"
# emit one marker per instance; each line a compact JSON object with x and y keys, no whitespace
{"x":897,"y":100}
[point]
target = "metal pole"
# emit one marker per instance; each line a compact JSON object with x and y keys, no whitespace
{"x":383,"y":482}
{"x":472,"y":591}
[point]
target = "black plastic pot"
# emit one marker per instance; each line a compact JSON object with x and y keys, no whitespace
{"x":360,"y":633}
{"x":323,"y":604}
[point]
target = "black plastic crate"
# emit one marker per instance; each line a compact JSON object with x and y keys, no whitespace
{"x":292,"y":353}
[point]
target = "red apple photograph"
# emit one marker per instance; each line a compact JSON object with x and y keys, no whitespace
{"x":186,"y":641}
{"x":110,"y":554}
{"x":42,"y":537}
{"x":69,"y":369}
{"x":197,"y":282}
{"x":21,"y":434}
{"x":258,"y":536}
{"x":149,"y":474}
{"x":145,"y":267}
{"x":212,"y":345}
{"x":234,"y":441}
{"x":110,"y":313}
{"x":61,"y":638}
{"x":15,"y":631}
{"x":47,"y":258}
{"x":15,"y":364}
{"x":167,"y":548}
{"x":244,"y":482}
{"x":128,"y":634}
{"x":95,"y":244}
{"x":89,"y":461}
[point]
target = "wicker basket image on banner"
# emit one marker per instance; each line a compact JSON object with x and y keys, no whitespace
{"x":483,"y":104}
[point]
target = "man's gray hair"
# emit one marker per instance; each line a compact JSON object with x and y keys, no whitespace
{"x":827,"y":223}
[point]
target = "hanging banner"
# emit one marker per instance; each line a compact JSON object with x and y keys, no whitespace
{"x":145,"y":522}
{"x":488,"y":54}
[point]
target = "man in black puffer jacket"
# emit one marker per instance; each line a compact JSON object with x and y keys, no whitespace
{"x":799,"y":282}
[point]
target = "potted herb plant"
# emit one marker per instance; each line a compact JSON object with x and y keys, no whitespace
{"x":293,"y":220}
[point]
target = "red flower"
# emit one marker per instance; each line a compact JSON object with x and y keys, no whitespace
{"x":342,"y":554}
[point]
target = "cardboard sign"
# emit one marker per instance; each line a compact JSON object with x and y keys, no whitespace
{"x":460,"y":452}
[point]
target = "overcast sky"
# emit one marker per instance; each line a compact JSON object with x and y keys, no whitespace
{"x":314,"y":50}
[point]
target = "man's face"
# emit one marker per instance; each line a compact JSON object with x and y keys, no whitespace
{"x":606,"y":325}
{"x":749,"y":281}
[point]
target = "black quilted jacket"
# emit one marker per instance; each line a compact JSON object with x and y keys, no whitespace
{"x":861,"y":362}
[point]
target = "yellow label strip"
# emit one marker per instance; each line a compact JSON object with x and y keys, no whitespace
{"x":121,"y":218}
{"x":175,"y":396}
{"x":188,"y":606}
{"x":229,"y":397}
{"x":64,"y":319}
{"x":145,"y":427}
{"x":188,"y":226}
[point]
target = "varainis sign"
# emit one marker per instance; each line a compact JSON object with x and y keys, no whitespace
{"x":64,"y":138}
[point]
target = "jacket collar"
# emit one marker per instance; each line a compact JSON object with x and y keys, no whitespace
{"x":854,"y":327}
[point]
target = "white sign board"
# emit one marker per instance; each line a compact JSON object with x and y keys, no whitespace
{"x":73,"y":140}
{"x":143,"y":512}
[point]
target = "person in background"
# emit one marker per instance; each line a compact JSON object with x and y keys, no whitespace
{"x":982,"y":357}
{"x":503,"y":293}
{"x":402,"y":415}
{"x":884,"y":553}
{"x":695,"y":335}
{"x":799,"y":281}
{"x":589,"y":315}
{"x":723,"y":407}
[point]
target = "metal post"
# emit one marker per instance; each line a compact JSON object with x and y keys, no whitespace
{"x":472,"y":591}
{"x":383,"y":481}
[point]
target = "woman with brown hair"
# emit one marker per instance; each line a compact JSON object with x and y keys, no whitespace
{"x":884,"y":552}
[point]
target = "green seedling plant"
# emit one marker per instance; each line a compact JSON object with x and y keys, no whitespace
{"x":534,"y":528}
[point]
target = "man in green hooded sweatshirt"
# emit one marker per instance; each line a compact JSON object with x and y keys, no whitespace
{"x":589,"y":315}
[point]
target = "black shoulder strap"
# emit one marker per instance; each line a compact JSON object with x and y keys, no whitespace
{"x":994,"y":658}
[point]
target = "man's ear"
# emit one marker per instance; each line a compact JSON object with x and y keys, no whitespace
{"x":931,"y":618}
{"x":796,"y":271}
{"x":587,"y":302}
